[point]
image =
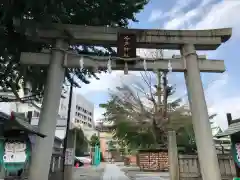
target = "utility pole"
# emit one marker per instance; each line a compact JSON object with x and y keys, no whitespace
{"x":159,"y":89}
{"x":165,"y":95}
{"x":69,"y":143}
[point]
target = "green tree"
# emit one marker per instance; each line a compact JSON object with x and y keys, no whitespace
{"x":14,"y":41}
{"x":112,"y":145}
{"x":81,"y":142}
{"x":94,"y":140}
{"x":138,"y":123}
{"x":186,"y":138}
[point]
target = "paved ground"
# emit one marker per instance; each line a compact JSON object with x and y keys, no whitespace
{"x":113,"y":172}
{"x":135,"y":174}
{"x":116,"y":171}
{"x":103,"y":172}
{"x":146,"y":176}
{"x":89,"y":173}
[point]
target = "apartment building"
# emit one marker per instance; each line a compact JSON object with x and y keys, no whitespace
{"x":82,"y":112}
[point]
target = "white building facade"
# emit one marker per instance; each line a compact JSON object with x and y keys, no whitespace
{"x":82,"y":112}
{"x":33,"y":110}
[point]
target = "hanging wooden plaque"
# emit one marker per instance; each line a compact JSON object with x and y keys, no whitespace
{"x":127,"y":45}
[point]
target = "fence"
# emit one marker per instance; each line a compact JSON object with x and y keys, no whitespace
{"x":189,"y":167}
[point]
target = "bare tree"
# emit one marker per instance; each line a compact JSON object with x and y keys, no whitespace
{"x":139,"y":105}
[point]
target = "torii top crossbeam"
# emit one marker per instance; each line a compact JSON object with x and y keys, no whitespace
{"x":146,"y":38}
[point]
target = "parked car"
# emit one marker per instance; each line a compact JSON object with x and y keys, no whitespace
{"x":82,"y":161}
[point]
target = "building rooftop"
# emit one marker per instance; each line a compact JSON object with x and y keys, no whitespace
{"x":56,"y":138}
{"x":233,"y":128}
{"x":16,"y":120}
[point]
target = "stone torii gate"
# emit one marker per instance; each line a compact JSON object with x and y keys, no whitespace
{"x":187,"y":41}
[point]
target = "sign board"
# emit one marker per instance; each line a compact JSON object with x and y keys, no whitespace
{"x":15,"y":152}
{"x":69,"y":156}
{"x":236,"y":153}
{"x":126,"y":47}
{"x":236,"y":178}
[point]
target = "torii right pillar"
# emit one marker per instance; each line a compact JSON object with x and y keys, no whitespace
{"x":205,"y":145}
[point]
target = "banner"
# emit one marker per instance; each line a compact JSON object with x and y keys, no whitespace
{"x":69,"y":159}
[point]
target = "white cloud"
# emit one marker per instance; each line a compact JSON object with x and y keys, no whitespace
{"x":206,"y":15}
{"x":227,"y":105}
{"x":108,"y":81}
{"x":98,"y":113}
{"x":222,"y":14}
{"x":218,"y":101}
{"x":213,"y":90}
{"x":155,"y":15}
{"x":182,"y":19}
{"x":218,"y":15}
{"x":221,"y":102}
{"x":206,"y":2}
{"x":177,"y":9}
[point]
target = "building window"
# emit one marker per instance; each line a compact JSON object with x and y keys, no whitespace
{"x":36,"y":114}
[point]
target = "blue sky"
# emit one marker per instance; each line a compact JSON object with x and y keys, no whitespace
{"x":222,"y":93}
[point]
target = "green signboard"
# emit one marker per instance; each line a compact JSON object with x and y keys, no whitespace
{"x":236,"y":153}
{"x":236,"y":178}
{"x":97,"y":155}
{"x":14,"y":155}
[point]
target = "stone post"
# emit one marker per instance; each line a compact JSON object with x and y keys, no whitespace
{"x":68,"y":166}
{"x":173,"y":156}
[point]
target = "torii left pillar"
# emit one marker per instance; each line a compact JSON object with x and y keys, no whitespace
{"x":41,"y":158}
